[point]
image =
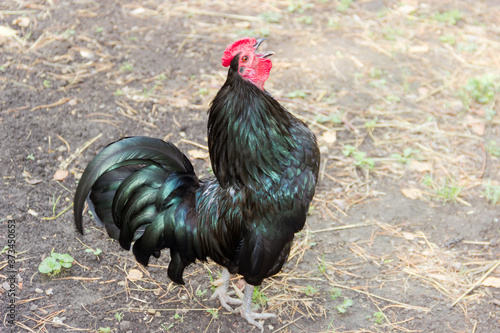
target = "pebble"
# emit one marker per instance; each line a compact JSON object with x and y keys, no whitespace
{"x":125,"y":325}
{"x":39,"y":291}
{"x":457,"y":106}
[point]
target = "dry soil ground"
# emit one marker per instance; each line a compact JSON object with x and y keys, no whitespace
{"x":404,"y":233}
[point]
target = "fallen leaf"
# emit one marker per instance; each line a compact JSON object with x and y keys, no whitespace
{"x":412,"y":193}
{"x":198,"y":153}
{"x":22,"y":21}
{"x":32,"y":212}
{"x":476,"y":125}
{"x":328,"y":137}
{"x":7,"y":31}
{"x":491,"y":281}
{"x":407,"y":9}
{"x":478,"y":128}
{"x":409,"y":235}
{"x":134,"y":275}
{"x":60,"y":174}
{"x":418,"y":49}
{"x":420,"y":166}
{"x":87,"y":54}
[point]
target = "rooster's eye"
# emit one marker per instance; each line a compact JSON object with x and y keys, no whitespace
{"x":244,"y":59}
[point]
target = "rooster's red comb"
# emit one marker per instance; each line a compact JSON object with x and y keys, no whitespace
{"x":235,"y":48}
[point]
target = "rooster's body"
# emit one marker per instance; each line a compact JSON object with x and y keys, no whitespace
{"x":265,"y":163}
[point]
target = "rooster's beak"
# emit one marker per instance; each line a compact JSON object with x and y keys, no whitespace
{"x":256,"y":47}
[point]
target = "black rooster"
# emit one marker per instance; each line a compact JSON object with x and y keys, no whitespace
{"x":265,"y":161}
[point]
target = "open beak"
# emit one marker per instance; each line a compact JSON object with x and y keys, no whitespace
{"x":262,"y":55}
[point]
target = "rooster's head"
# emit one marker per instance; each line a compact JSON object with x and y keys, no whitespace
{"x":243,"y":57}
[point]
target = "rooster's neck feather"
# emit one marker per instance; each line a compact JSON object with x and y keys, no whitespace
{"x":248,"y":133}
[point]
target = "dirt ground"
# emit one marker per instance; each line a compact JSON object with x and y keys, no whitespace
{"x":404,"y":234}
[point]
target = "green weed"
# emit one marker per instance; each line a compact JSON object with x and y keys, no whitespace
{"x":344,"y":306}
{"x":200,"y":293}
{"x":482,"y":89}
{"x":493,"y":148}
{"x":344,"y":5}
{"x":448,"y":39}
{"x":449,"y":190}
{"x":271,"y":17}
{"x":334,"y":118}
{"x":126,"y":67}
{"x":297,"y":94}
{"x":335,"y":293}
{"x":491,"y":192}
{"x":52,"y":265}
{"x":95,"y":252}
{"x":407,"y":154}
{"x":310,"y":290}
{"x":451,"y":17}
{"x":119,"y":316}
{"x":259,"y":297}
{"x":214,"y":313}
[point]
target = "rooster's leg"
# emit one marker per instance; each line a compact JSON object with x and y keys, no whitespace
{"x":221,"y":292}
{"x":246,"y":309}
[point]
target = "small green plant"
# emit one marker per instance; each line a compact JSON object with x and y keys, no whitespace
{"x":166,"y":328}
{"x":391,"y":34}
{"x":67,"y":33}
{"x":335,"y":293}
{"x":482,"y":89}
{"x":299,"y":6}
{"x":322,"y":264}
{"x":371,"y":123}
{"x":449,"y":190}
{"x":30,"y":157}
{"x":344,"y":5}
{"x":493,"y":148}
{"x":407,"y":154}
{"x":179,"y":318}
{"x":271,"y":17}
{"x":378,"y":83}
{"x":47,"y":84}
{"x":259,"y":297}
{"x":451,"y":17}
{"x":99,"y":30}
{"x":306,"y":19}
{"x":203,"y":91}
{"x":492,"y":192}
{"x":310,"y":290}
{"x":214,"y":313}
{"x":379,"y":317}
{"x":334,"y":118}
{"x":344,"y":306}
{"x":361,"y":160}
{"x":264,"y":32}
{"x":200,"y":293}
{"x":126,"y":67}
{"x":448,"y":39}
{"x":95,"y":252}
{"x":119,"y":316}
{"x":104,"y":330}
{"x":393,"y":98}
{"x":348,"y":150}
{"x":52,"y":265}
{"x":119,"y":92}
{"x":297,"y":94}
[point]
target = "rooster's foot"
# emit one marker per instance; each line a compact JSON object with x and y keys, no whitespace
{"x":223,"y":294}
{"x":246,"y":309}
